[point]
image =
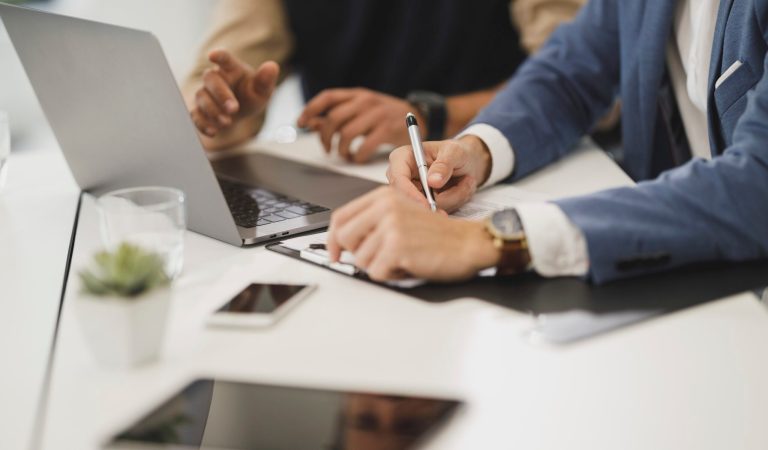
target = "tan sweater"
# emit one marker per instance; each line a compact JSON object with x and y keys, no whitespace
{"x":257,"y":30}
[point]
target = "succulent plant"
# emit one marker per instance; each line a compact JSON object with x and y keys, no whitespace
{"x":128,"y":272}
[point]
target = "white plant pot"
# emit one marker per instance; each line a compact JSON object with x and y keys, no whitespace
{"x":124,"y":332}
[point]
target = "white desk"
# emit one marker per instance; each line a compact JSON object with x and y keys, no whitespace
{"x":694,"y":379}
{"x":37,"y":211}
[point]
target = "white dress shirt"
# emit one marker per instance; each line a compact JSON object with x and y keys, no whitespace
{"x":558,"y":247}
{"x":688,"y":58}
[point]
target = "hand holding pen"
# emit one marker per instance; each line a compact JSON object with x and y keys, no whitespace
{"x":455,"y":168}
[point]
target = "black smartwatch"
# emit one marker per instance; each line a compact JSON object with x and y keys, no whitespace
{"x":431,"y":106}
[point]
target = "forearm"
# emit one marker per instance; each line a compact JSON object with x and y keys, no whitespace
{"x":700,"y":212}
{"x":460,"y":109}
{"x":558,"y":95}
{"x":253,"y":32}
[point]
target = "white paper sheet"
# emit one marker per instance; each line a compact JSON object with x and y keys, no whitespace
{"x":495,"y":199}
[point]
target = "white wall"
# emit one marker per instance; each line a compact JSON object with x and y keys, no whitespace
{"x":180,"y":25}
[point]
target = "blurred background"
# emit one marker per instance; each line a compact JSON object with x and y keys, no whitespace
{"x":180,"y":25}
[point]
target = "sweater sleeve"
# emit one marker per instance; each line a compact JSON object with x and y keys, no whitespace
{"x":254,"y":31}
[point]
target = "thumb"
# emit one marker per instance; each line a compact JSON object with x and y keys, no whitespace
{"x":442,"y":169}
{"x":265,"y":79}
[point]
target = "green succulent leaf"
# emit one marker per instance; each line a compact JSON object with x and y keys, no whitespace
{"x":129,"y":271}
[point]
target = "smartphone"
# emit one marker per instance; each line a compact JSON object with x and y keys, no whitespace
{"x":259,"y":305}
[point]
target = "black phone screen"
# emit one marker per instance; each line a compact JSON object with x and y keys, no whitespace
{"x":261,"y":298}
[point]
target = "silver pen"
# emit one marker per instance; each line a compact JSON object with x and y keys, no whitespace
{"x":421,"y":160}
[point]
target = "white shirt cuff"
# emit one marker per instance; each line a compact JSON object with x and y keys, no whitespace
{"x":502,"y":155}
{"x":557,"y":246}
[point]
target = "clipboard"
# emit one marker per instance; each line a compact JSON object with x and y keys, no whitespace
{"x":569,"y":309}
{"x":339,"y":268}
{"x":310,"y":248}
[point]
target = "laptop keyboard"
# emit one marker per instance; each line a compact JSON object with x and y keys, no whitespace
{"x":252,"y":207}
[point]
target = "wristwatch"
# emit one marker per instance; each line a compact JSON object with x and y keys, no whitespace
{"x":509,"y":238}
{"x":431,"y":106}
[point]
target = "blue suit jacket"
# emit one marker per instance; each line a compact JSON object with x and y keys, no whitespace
{"x":701,"y":211}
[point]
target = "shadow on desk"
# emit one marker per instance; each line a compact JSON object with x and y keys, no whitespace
{"x":570,"y":309}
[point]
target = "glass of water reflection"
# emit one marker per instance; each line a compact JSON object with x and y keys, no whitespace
{"x":153,"y":218}
{"x":5,"y":146}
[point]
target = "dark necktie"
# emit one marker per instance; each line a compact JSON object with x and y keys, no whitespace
{"x":673,"y":130}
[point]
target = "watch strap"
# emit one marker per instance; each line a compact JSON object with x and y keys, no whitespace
{"x":515,"y":257}
{"x":432,"y":107}
{"x":437,"y":118}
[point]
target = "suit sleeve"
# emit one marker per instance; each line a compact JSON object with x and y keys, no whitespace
{"x":561,"y":92}
{"x":254,"y":31}
{"x":704,"y":211}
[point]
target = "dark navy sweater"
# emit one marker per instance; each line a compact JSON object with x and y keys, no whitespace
{"x":397,"y":46}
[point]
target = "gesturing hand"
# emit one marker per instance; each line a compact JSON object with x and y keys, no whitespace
{"x":231,"y":90}
{"x":380,"y":118}
{"x":391,"y":237}
{"x":456,"y":169}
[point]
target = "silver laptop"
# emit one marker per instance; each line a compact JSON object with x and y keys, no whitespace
{"x":117,"y":113}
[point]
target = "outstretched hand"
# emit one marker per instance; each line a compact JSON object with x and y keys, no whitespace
{"x":231,"y":91}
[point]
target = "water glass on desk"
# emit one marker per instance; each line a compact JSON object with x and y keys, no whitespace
{"x":5,"y":146}
{"x":154,"y":218}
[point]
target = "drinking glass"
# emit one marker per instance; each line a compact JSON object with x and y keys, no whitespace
{"x":153,"y":218}
{"x":5,"y":146}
